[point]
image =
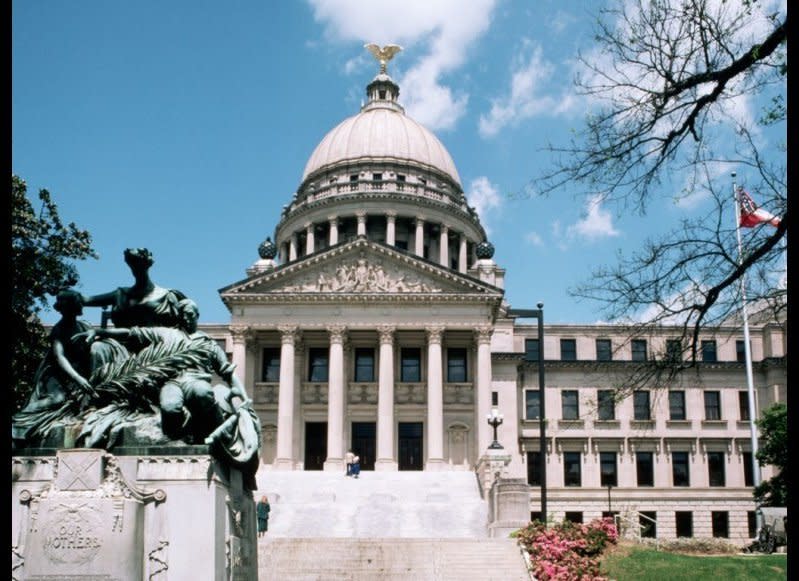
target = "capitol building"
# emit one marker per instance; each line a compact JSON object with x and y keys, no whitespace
{"x":375,"y":320}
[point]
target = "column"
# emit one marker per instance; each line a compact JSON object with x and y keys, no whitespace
{"x":483,"y":389}
{"x":293,"y":247}
{"x":309,"y":238}
{"x":284,"y":459}
{"x":443,"y":246}
{"x":435,"y":400}
{"x":385,"y":401}
{"x":335,"y":401}
{"x":333,"y":220}
{"x":420,"y":236}
{"x":391,"y":221}
{"x":240,"y":334}
{"x":463,"y":264}
{"x":361,"y":215}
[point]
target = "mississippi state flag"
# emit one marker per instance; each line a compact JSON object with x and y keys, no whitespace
{"x":751,"y":215}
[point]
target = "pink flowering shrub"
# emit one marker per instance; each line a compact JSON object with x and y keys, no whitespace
{"x":567,"y":551}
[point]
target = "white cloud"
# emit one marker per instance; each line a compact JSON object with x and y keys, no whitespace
{"x":484,"y":197}
{"x":596,"y":222}
{"x":534,"y":238}
{"x":447,"y":28}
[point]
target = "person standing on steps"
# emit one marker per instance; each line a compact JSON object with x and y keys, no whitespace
{"x":262,"y":510}
{"x":356,"y":466}
{"x":348,"y":458}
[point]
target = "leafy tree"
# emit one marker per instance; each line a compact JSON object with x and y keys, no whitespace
{"x":42,"y":253}
{"x":773,"y":449}
{"x":665,"y":84}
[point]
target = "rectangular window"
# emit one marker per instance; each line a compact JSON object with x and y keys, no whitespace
{"x":685,"y":523}
{"x":749,"y":469}
{"x":364,"y":364}
{"x":535,"y":515}
{"x":534,"y":468}
{"x":740,"y":351}
{"x":709,"y":351}
{"x":270,"y":365}
{"x":377,"y":176}
{"x":712,"y":405}
{"x":494,"y":398}
{"x":317,"y":364}
{"x":608,"y":475}
{"x":647,"y":520}
{"x":354,"y":182}
{"x":532,"y":404}
{"x":575,"y":517}
{"x":571,"y":469}
{"x":673,"y":350}
{"x":456,"y":365}
{"x":721,"y":523}
{"x":715,"y":468}
{"x":743,"y":406}
{"x":751,"y":523}
{"x":680,"y":469}
{"x":644,"y":468}
{"x":568,"y":350}
{"x":410,"y":364}
{"x":642,"y":409}
{"x":676,"y":405}
{"x":638,"y":349}
{"x":603,"y":350}
{"x":531,"y":350}
{"x":606,"y":407}
{"x":570,"y":408}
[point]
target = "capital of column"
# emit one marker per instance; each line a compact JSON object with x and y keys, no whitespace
{"x":444,"y":230}
{"x":391,"y":215}
{"x":308,"y":226}
{"x":361,"y":215}
{"x":333,"y":220}
{"x":338,"y":333}
{"x":482,"y":335}
{"x":386,"y":333}
{"x":289,"y":334}
{"x":241,"y":333}
{"x":434,"y":334}
{"x":419,"y":220}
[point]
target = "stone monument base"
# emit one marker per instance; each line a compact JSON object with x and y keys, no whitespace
{"x":140,"y":513}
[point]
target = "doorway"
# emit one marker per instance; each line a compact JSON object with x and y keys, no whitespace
{"x":411,"y":446}
{"x":315,"y":445}
{"x":364,"y":443}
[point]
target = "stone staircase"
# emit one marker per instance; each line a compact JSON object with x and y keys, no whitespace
{"x":424,"y":526}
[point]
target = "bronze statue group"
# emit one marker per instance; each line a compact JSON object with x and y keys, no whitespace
{"x":152,"y":367}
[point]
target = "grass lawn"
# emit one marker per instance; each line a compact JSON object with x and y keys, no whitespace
{"x":633,"y":563}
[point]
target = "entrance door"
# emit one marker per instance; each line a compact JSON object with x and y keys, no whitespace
{"x":315,"y":445}
{"x":410,"y":446}
{"x":364,"y":443}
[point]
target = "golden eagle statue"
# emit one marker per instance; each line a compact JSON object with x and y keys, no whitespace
{"x":383,"y":55}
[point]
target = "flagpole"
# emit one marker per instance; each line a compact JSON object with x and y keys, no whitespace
{"x":747,"y":349}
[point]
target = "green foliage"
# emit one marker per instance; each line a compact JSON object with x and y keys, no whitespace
{"x":42,"y":253}
{"x":773,"y":449}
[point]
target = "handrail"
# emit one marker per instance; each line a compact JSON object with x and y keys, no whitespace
{"x":636,"y":525}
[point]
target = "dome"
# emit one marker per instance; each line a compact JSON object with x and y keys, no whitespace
{"x":381,"y":133}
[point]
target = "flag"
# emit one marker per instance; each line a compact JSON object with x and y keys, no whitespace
{"x":751,"y":215}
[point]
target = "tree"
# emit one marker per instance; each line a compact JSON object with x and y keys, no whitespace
{"x":665,"y":85}
{"x":42,"y":253}
{"x":773,"y":449}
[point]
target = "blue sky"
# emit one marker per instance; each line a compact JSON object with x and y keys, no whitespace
{"x":184,"y":126}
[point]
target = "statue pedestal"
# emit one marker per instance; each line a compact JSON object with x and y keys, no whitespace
{"x":140,"y":513}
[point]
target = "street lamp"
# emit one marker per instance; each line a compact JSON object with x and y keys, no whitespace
{"x":610,"y":510}
{"x":494,"y":420}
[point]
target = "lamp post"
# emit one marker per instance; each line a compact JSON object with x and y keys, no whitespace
{"x":610,"y":510}
{"x":494,"y":420}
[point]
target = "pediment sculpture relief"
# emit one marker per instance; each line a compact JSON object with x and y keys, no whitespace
{"x":359,"y":276}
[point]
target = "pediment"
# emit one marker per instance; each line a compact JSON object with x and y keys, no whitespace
{"x":360,"y":267}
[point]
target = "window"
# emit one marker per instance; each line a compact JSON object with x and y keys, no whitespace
{"x":715,"y":468}
{"x":749,"y":469}
{"x":677,"y":405}
{"x":721,"y":523}
{"x":494,"y":398}
{"x":364,"y":364}
{"x":685,"y":523}
{"x":638,"y":349}
{"x":751,"y":523}
{"x":743,"y":406}
{"x":610,"y":514}
{"x":534,"y":468}
{"x":317,"y":364}
{"x":568,"y":350}
{"x":740,"y":351}
{"x":532,"y":404}
{"x":642,"y":410}
{"x":647,"y":520}
{"x":712,"y":405}
{"x":603,"y":350}
{"x":354,"y":182}
{"x":570,"y":409}
{"x":680,"y":469}
{"x":644,"y":469}
{"x":535,"y":515}
{"x":410,"y":364}
{"x":608,"y":475}
{"x":605,"y":405}
{"x":709,"y":351}
{"x":270,"y":365}
{"x":575,"y":517}
{"x":571,"y":469}
{"x":531,"y":350}
{"x":456,"y":364}
{"x":377,"y":176}
{"x":673,"y":350}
